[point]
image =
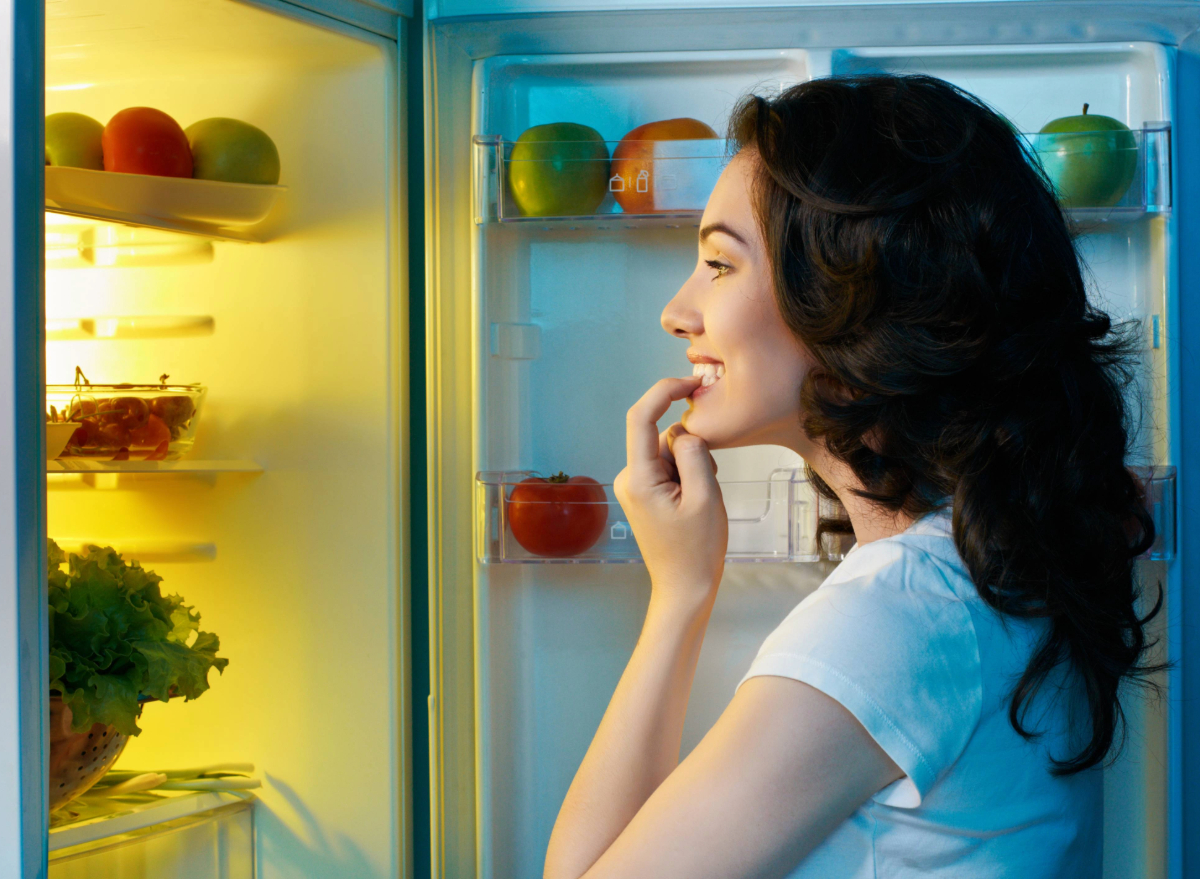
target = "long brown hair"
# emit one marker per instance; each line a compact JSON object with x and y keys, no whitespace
{"x":920,"y":255}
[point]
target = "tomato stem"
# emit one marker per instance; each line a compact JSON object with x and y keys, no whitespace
{"x":558,"y":478}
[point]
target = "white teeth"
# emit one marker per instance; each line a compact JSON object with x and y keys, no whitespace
{"x":709,"y":373}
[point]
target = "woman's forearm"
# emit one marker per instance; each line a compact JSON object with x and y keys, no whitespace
{"x":637,"y":743}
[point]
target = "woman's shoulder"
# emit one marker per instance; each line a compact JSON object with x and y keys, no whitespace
{"x":890,"y":636}
{"x":921,"y":562}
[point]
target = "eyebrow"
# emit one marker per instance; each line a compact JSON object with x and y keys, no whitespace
{"x":721,"y":227}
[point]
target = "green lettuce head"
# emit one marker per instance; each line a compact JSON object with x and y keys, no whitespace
{"x":116,"y":640}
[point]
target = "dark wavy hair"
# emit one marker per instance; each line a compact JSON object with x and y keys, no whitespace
{"x":920,"y":255}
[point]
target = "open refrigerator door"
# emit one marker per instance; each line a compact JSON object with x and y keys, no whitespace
{"x":226,"y":386}
{"x":558,"y":304}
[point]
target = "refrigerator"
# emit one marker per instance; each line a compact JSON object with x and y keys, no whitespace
{"x":394,"y":344}
{"x":286,"y":524}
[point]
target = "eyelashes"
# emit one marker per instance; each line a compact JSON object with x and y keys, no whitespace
{"x":720,"y":268}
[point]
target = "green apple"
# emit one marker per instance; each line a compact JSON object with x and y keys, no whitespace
{"x":73,"y":140}
{"x":1091,"y":160}
{"x":233,"y":151}
{"x":560,"y":169}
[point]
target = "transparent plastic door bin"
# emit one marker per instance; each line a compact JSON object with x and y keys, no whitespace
{"x":773,"y":520}
{"x":662,"y":179}
{"x":769,"y":520}
{"x":1098,"y":175}
{"x":1159,"y":496}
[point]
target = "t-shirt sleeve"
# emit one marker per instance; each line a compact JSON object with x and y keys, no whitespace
{"x":887,"y":638}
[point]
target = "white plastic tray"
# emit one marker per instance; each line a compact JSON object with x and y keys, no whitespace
{"x":149,"y":198}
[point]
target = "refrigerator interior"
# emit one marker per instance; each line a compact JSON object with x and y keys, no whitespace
{"x":283,"y":526}
{"x":565,"y":336}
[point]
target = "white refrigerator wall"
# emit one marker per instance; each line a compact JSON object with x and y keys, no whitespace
{"x":550,"y":641}
{"x":305,"y":377}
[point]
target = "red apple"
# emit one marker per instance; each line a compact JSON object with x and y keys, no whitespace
{"x":142,"y":140}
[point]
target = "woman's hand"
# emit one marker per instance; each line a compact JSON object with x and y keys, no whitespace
{"x":670,"y":495}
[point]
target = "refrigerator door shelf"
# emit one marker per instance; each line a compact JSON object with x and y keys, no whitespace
{"x":1133,"y":166}
{"x":1159,"y":485}
{"x":772,"y":520}
{"x":671,"y":183}
{"x":671,"y":187}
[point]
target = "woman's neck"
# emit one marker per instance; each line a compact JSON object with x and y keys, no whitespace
{"x":869,"y":520}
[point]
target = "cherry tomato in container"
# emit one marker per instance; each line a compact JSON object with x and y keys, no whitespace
{"x":559,"y":516}
{"x":151,"y":435}
{"x":130,"y":413}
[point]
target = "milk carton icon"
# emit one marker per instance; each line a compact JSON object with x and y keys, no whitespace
{"x":616,"y":183}
{"x":619,"y":531}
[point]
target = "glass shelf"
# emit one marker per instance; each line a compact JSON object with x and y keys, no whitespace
{"x":67,"y":329}
{"x":670,"y":186}
{"x":89,"y":473}
{"x":197,"y":833}
{"x":75,"y":243}
{"x":773,"y":520}
{"x":147,"y":551}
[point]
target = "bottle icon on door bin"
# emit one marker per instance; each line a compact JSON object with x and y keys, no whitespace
{"x":616,"y":183}
{"x":619,"y":531}
{"x":643,"y":181}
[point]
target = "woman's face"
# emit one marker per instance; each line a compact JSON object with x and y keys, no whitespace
{"x":753,"y":363}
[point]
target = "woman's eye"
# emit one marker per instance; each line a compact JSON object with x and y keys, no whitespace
{"x":719,"y":267}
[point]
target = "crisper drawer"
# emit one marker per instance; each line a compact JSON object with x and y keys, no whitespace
{"x":195,"y":836}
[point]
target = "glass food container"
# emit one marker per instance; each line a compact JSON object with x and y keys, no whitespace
{"x":127,"y":422}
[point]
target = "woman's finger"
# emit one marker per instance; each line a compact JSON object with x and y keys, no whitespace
{"x":666,"y":439}
{"x":641,"y":423}
{"x":667,"y":445}
{"x":697,"y":469}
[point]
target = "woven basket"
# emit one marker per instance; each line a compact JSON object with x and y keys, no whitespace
{"x":78,"y":759}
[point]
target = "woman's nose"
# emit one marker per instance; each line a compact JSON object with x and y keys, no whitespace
{"x":681,"y":318}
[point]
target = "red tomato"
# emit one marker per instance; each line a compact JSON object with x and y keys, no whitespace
{"x":557,"y":517}
{"x":129,"y":412}
{"x":86,"y":436}
{"x":175,"y":410}
{"x":82,"y":407}
{"x":152,"y":434}
{"x":141,"y":140}
{"x":114,"y":436}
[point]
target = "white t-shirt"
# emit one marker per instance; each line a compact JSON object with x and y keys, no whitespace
{"x":899,"y":635}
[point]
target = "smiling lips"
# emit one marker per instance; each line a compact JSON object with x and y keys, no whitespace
{"x":710,"y":373}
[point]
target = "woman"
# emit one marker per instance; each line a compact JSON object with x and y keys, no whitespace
{"x":885,"y":285}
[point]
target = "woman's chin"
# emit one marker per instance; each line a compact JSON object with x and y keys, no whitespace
{"x":706,"y":426}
